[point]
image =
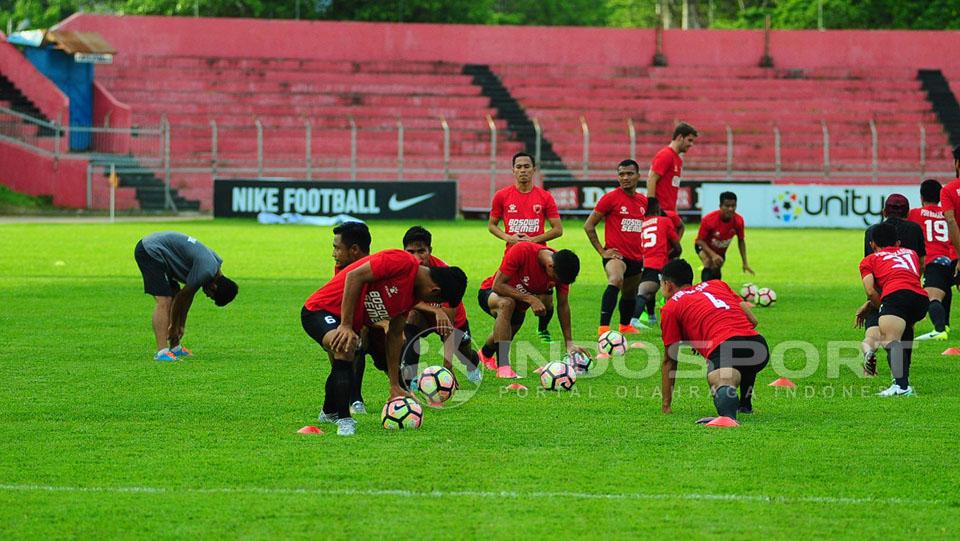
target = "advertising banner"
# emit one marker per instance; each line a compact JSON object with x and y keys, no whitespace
{"x":579,"y":197}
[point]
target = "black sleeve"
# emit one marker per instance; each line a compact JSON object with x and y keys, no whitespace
{"x":866,"y":242}
{"x":921,"y":246}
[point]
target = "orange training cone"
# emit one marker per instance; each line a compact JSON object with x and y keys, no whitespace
{"x":783,"y":382}
{"x":638,"y":345}
{"x":951,"y":351}
{"x":723,"y":422}
{"x":309,"y":430}
{"x":517,"y":387}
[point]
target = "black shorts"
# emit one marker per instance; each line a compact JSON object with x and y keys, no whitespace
{"x":634,"y":267}
{"x":871,"y":319}
{"x":318,"y":324}
{"x":697,"y":249}
{"x":650,"y":275}
{"x":519,"y":313}
{"x":155,"y":279}
{"x":939,"y":275}
{"x":907,"y":305}
{"x":748,"y":354}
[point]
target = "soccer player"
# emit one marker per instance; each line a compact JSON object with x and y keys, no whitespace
{"x":949,"y":202}
{"x":622,"y":211}
{"x":166,"y":260}
{"x":351,"y":242}
{"x":663,"y":178}
{"x":938,"y":271}
{"x":525,"y":208}
{"x":441,"y":318}
{"x":895,"y":210}
{"x":374,"y":291}
{"x":527,"y":274}
{"x":661,"y":242}
{"x":719,"y":326}
{"x":891,"y":279}
{"x":717,"y":229}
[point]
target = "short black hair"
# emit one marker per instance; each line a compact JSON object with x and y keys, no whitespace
{"x":677,"y":272}
{"x":566,"y":265}
{"x":226,"y":290}
{"x":452,"y":282}
{"x":930,"y":190}
{"x":683,"y":129}
{"x":417,"y":233}
{"x":354,"y":233}
{"x":884,"y":234}
{"x":521,"y":155}
{"x":628,"y":163}
{"x":727,"y":196}
{"x":956,"y":153}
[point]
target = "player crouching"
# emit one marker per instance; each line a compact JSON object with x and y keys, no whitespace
{"x":720,"y":327}
{"x":891,"y":279}
{"x":373,"y":291}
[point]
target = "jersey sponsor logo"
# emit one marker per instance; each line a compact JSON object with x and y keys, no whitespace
{"x":392,"y":290}
{"x":375,"y":307}
{"x":537,"y":208}
{"x":720,"y":243}
{"x":523,"y":225}
{"x":631,"y":225}
{"x":511,"y":208}
{"x":623,"y":210}
{"x":397,"y":205}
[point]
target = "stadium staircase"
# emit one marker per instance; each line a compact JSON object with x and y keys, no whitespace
{"x":943,"y":100}
{"x":150,"y":189}
{"x":517,"y":120}
{"x":12,"y":98}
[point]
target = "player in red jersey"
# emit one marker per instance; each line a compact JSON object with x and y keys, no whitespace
{"x":949,"y":202}
{"x":450,"y":322}
{"x":938,"y":270}
{"x":661,"y":243}
{"x":351,"y":242}
{"x":663,"y":179}
{"x":719,"y":326}
{"x":527,"y":274}
{"x":622,"y":211}
{"x":525,"y":208}
{"x":374,"y":291}
{"x":717,"y":229}
{"x":891,"y":279}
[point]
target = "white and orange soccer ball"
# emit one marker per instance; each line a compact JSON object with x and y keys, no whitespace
{"x":436,"y":384}
{"x":558,"y":376}
{"x":766,"y":296}
{"x":612,"y":343}
{"x":749,"y":292}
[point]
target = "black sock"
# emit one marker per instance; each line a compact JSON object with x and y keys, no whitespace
{"x":607,"y":302}
{"x":726,"y":401}
{"x":503,"y":354}
{"x":341,"y":374}
{"x":468,"y":356}
{"x":544,"y":320}
{"x":651,"y":305}
{"x":356,"y":384}
{"x":488,"y":351}
{"x":410,"y":360}
{"x":938,"y":316}
{"x":748,"y":379}
{"x":899,"y":360}
{"x":330,"y":395}
{"x":627,"y":305}
{"x":947,"y":300}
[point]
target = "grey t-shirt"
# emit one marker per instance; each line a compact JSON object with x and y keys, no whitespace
{"x":185,"y":258}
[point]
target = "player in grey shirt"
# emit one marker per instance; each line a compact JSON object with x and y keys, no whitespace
{"x":166,"y":260}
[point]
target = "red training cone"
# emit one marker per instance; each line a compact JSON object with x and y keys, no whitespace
{"x":783,"y":382}
{"x":638,"y":345}
{"x":951,"y":351}
{"x":309,"y":430}
{"x":723,"y":422}
{"x":516,"y":387}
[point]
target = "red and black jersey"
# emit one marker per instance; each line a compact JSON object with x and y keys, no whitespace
{"x":522,"y":264}
{"x":718,"y":233}
{"x":623,"y":221}
{"x":705,"y":315}
{"x":936,"y":234}
{"x":893,"y":269}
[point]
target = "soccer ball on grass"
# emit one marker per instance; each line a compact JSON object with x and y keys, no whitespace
{"x":436,"y":384}
{"x":401,"y":412}
{"x":766,"y":296}
{"x":612,"y":342}
{"x":558,"y":376}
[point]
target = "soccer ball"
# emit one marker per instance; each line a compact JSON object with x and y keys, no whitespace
{"x":580,"y":362}
{"x":436,"y":384}
{"x":749,"y":292}
{"x":401,"y":412}
{"x":766,"y":296}
{"x":612,"y":342}
{"x":558,"y":376}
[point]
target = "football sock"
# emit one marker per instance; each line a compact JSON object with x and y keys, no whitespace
{"x":651,"y":306}
{"x":639,"y":304}
{"x":411,"y":352}
{"x":627,"y":305}
{"x":607,"y":302}
{"x":488,"y":351}
{"x":356,"y":384}
{"x":469,"y":357}
{"x":898,"y":357}
{"x":747,"y":381}
{"x":938,"y":316}
{"x":726,"y":401}
{"x":503,"y":354}
{"x":341,"y":375}
{"x":544,"y":321}
{"x":947,"y":300}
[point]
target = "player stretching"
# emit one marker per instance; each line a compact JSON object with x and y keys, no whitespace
{"x":351,"y":242}
{"x":717,"y":229}
{"x":891,"y":278}
{"x":524,"y":209}
{"x":527,"y":274}
{"x":374,"y":291}
{"x":718,"y":325}
{"x":167,"y":259}
{"x":950,"y":202}
{"x":441,"y":318}
{"x":661,"y":242}
{"x":622,"y":211}
{"x":938,"y":271}
{"x":663,"y":178}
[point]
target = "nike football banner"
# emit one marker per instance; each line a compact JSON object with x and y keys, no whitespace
{"x":417,"y":200}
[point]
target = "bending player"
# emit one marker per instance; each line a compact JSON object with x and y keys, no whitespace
{"x":720,"y":326}
{"x":450,"y":322}
{"x":166,"y":260}
{"x":938,"y":271}
{"x":717,"y":229}
{"x":374,"y":291}
{"x":525,"y":208}
{"x":528,"y":273}
{"x":351,"y":242}
{"x":622,"y":211}
{"x":891,"y":279}
{"x":661,"y":242}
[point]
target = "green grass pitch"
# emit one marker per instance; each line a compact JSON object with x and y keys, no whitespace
{"x":99,"y":441}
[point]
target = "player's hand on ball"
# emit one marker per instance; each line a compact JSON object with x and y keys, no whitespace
{"x":344,"y":339}
{"x":398,"y":391}
{"x":573,"y":348}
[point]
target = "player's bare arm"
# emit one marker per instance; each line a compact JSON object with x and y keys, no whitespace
{"x":742,"y":246}
{"x":668,"y":377}
{"x":493,"y":226}
{"x":954,"y":233}
{"x":444,"y":324}
{"x":395,"y":342}
{"x":178,"y":314}
{"x":749,"y":313}
{"x":590,"y":227}
{"x":555,"y":231}
{"x":652,"y":178}
{"x":563,"y":315}
{"x":502,"y":287}
{"x":873,"y":300}
{"x":345,"y":338}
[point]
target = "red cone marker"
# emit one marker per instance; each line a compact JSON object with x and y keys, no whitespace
{"x":723,"y":422}
{"x":309,"y":430}
{"x":783,"y":382}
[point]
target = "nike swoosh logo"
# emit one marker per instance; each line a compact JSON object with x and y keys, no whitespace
{"x":395,"y":205}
